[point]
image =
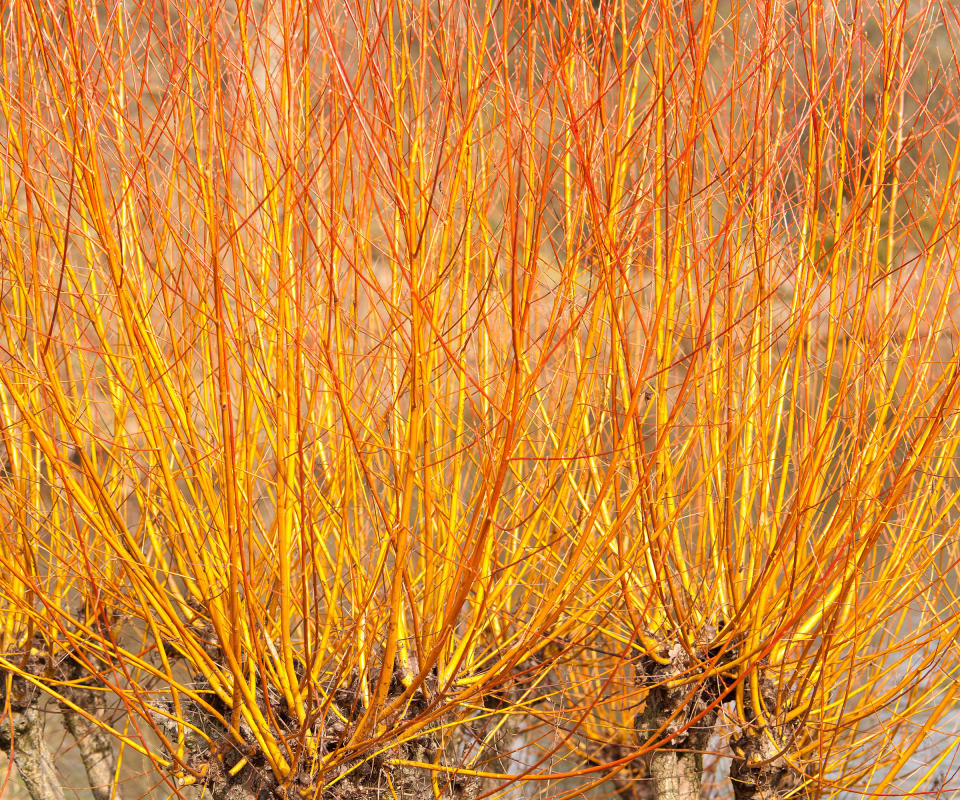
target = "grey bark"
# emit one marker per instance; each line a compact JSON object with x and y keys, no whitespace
{"x":683,"y":716}
{"x":676,"y":768}
{"x":30,"y":753}
{"x":676,"y":775}
{"x":96,"y":752}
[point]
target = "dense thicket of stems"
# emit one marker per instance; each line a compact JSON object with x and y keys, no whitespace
{"x":430,"y":399}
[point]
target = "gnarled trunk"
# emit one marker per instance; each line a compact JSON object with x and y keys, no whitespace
{"x":30,"y":753}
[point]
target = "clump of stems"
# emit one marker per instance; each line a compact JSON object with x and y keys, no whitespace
{"x":444,"y":398}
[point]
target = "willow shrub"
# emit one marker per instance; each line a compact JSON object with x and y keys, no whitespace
{"x":436,"y":399}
